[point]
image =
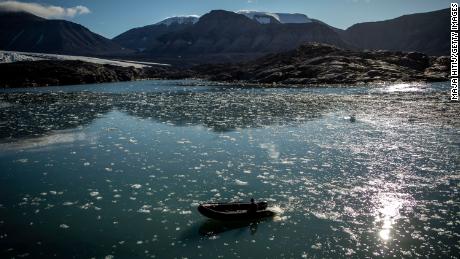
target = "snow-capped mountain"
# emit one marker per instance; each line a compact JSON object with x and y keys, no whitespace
{"x":188,"y":19}
{"x":225,"y":36}
{"x":261,"y":17}
{"x":267,"y":17}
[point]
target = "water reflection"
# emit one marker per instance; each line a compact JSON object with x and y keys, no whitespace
{"x":51,"y":138}
{"x":405,"y":87}
{"x":213,"y":227}
{"x":34,"y":115}
{"x":387,"y":212}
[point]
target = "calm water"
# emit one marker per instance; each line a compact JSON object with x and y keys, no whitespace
{"x":117,"y":170}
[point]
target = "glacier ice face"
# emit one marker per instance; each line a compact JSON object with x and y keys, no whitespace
{"x":15,"y":56}
{"x":267,"y":17}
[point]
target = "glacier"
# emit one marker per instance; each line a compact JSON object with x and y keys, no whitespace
{"x":16,"y":56}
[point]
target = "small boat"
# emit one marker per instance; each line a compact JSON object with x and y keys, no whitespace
{"x":234,"y":211}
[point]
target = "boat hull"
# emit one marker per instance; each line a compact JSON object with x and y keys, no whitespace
{"x":234,"y":211}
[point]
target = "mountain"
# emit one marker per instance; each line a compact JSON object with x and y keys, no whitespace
{"x":145,"y":37}
{"x":267,"y":17}
{"x":220,"y":36}
{"x":142,"y":38}
{"x":22,"y":31}
{"x":423,"y":32}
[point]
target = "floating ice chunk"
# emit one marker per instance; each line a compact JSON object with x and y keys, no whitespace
{"x":183,"y":141}
{"x":23,"y":160}
{"x":141,"y":210}
{"x":86,"y":163}
{"x":239,"y":182}
{"x":316,"y":246}
{"x":94,"y":194}
{"x":145,"y":209}
{"x":64,"y":226}
{"x":108,"y":169}
{"x":136,"y":186}
{"x":85,"y":206}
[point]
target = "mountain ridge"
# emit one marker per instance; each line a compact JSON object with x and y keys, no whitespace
{"x":234,"y":36}
{"x":427,"y":32}
{"x":21,"y":31}
{"x":223,"y":36}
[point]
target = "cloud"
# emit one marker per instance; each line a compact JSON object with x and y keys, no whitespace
{"x":45,"y":11}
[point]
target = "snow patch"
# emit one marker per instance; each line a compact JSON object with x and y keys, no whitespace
{"x":267,"y":17}
{"x":187,"y":19}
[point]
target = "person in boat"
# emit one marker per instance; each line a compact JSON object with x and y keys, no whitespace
{"x":353,"y":118}
{"x":252,"y":206}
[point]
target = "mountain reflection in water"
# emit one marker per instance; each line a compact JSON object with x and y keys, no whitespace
{"x":31,"y":115}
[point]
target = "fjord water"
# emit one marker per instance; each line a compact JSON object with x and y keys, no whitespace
{"x":117,"y":170}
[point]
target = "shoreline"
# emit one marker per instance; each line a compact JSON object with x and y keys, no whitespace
{"x":310,"y":65}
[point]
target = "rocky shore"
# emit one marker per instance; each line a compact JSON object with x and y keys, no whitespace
{"x":313,"y":64}
{"x":310,"y":64}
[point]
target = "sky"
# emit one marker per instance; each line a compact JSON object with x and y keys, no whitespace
{"x":112,"y":17}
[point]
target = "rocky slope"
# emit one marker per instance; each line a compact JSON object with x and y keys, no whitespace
{"x":314,"y":63}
